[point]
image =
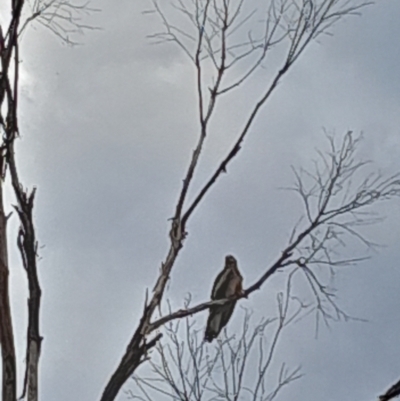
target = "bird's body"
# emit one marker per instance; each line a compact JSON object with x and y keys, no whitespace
{"x":227,"y":284}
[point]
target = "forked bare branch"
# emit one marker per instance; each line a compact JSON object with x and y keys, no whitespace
{"x":213,"y":43}
{"x":338,"y":200}
{"x":185,"y":368}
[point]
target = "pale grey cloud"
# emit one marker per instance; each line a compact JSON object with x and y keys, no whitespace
{"x":108,"y":128}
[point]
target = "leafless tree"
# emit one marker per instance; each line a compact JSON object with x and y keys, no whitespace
{"x":212,"y":41}
{"x":62,"y":18}
{"x":226,"y":54}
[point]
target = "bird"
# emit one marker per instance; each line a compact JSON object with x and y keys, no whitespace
{"x":227,"y":284}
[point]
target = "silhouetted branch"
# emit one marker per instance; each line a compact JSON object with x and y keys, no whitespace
{"x":186,"y":368}
{"x":64,"y":18}
{"x":393,"y":392}
{"x":211,"y":38}
{"x":335,"y":206}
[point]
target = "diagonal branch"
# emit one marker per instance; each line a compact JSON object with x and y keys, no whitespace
{"x":312,"y":244}
{"x":392,"y":393}
{"x":211,"y":21}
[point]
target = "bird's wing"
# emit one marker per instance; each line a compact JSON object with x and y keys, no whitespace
{"x":226,"y":314}
{"x":221,"y":285}
{"x":213,"y":323}
{"x":218,"y":318}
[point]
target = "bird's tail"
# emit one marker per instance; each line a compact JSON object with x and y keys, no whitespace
{"x":212,"y":329}
{"x":209,"y":335}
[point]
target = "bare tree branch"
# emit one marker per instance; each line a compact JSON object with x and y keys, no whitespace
{"x":392,"y":393}
{"x":185,"y":368}
{"x":331,"y":217}
{"x":64,"y":18}
{"x":214,"y":28}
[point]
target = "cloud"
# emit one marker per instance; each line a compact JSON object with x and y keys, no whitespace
{"x":107,"y":133}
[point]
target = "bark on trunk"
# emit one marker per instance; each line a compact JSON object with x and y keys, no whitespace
{"x":9,"y":386}
{"x":32,"y":370}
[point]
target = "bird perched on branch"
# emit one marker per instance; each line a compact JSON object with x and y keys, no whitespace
{"x":227,"y":284}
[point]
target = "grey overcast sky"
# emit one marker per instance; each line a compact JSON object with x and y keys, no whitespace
{"x":107,"y":132}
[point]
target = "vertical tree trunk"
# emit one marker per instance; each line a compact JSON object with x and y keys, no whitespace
{"x":33,"y":370}
{"x":6,"y":328}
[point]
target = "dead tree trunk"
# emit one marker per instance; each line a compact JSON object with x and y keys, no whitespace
{"x":9,"y":384}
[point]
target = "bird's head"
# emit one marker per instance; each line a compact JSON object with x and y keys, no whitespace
{"x":230,"y":261}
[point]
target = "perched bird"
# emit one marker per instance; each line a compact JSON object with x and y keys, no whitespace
{"x":227,"y":284}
